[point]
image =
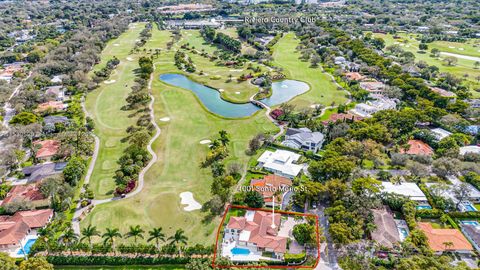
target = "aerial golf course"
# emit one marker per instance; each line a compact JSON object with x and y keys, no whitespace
{"x":184,"y":124}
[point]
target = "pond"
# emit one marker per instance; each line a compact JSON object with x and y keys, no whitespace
{"x":281,"y":92}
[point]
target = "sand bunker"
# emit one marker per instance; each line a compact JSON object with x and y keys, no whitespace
{"x":451,"y":47}
{"x":187,"y":199}
{"x":313,"y":106}
{"x":461,"y":49}
{"x":116,"y":44}
{"x":109,"y":82}
{"x":238,"y":93}
{"x":165,"y":119}
{"x":205,"y":141}
{"x":129,"y":58}
{"x":221,"y":90}
{"x":236,"y":70}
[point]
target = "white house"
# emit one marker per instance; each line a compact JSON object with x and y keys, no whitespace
{"x":474,"y":149}
{"x":410,"y":190}
{"x":303,"y":139}
{"x":440,"y":133}
{"x":280,"y":162}
{"x":370,"y":107}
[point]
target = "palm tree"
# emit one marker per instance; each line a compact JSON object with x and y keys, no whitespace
{"x":135,"y":231}
{"x":224,"y":137}
{"x":110,"y":235}
{"x":69,"y":237}
{"x":45,"y":234}
{"x":178,"y":238}
{"x":157,"y":235}
{"x":448,"y":245}
{"x":88,"y":233}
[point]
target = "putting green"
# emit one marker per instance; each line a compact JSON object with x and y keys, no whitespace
{"x":179,"y":155}
{"x":322,"y":89}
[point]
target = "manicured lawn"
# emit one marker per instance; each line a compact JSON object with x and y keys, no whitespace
{"x":177,"y":170}
{"x":322,"y":89}
{"x":129,"y":267}
{"x":105,"y":103}
{"x":464,"y":66}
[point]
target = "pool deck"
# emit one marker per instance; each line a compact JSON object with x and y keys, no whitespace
{"x":14,"y":254}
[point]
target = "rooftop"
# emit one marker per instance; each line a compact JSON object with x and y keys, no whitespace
{"x":28,"y":193}
{"x":440,"y":133}
{"x":15,"y":228}
{"x":417,"y":147}
{"x":269,"y":184}
{"x":48,"y":148}
{"x":474,"y":149}
{"x":386,"y":233}
{"x":410,"y":190}
{"x":438,"y":237}
{"x":443,"y":92}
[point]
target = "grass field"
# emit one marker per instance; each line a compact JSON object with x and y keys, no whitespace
{"x":180,"y":154}
{"x":322,"y":89}
{"x":104,"y":105}
{"x":409,"y":43}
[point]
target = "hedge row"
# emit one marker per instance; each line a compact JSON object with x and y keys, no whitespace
{"x":294,"y":258}
{"x":109,"y":260}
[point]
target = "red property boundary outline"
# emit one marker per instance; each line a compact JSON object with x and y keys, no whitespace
{"x":268,"y":266}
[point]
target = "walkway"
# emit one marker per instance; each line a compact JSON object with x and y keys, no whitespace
{"x":140,"y":182}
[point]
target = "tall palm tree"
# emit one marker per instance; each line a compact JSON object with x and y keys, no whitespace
{"x":68,"y":238}
{"x":110,"y":235}
{"x":178,"y":238}
{"x":88,"y":233}
{"x":156,"y":235}
{"x":45,"y":234}
{"x":135,"y":232}
{"x":224,"y":137}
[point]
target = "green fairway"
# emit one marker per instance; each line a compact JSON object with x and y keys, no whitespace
{"x":104,"y":104}
{"x":180,"y":153}
{"x":463,"y":67}
{"x":322,"y":89}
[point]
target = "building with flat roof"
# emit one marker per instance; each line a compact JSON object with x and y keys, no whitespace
{"x":474,"y":149}
{"x":440,"y":133}
{"x":280,"y":162}
{"x":410,"y":190}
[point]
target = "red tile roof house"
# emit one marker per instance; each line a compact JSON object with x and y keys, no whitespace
{"x":442,"y":240}
{"x":417,"y":147}
{"x":17,"y":230}
{"x":269,"y":185}
{"x":51,"y":106}
{"x":342,"y":117}
{"x":46,"y":149}
{"x":26,"y":193}
{"x":246,"y":238}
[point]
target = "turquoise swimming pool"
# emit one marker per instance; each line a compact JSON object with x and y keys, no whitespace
{"x":28,"y":245}
{"x":421,"y":207}
{"x":404,"y":232}
{"x":470,"y":222}
{"x":240,"y":251}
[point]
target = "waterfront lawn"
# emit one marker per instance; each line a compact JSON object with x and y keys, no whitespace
{"x":105,"y":103}
{"x":177,"y":169}
{"x":322,"y":89}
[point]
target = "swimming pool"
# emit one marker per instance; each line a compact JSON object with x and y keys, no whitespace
{"x":469,"y":207}
{"x":28,"y":245}
{"x":404,"y":232}
{"x":470,"y":222}
{"x":240,"y":251}
{"x":421,"y":207}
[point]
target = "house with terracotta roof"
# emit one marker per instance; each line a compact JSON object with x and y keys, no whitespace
{"x":46,"y":149}
{"x":417,"y":147}
{"x":248,"y":237}
{"x":374,"y":88}
{"x":342,"y":117}
{"x":51,"y":106}
{"x":17,"y":230}
{"x":441,"y":240}
{"x":56,"y":92}
{"x":26,"y":193}
{"x":269,"y":186}
{"x":353,"y":76}
{"x":444,"y":93}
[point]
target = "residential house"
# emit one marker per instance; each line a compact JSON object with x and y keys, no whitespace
{"x":474,"y":103}
{"x":303,"y":139}
{"x":280,"y":162}
{"x":342,"y":117}
{"x":409,"y":190}
{"x":269,"y":186}
{"x":444,"y":93}
{"x":367,"y":109}
{"x":26,"y":193}
{"x":17,"y":230}
{"x":472,"y":129}
{"x":375,"y":88}
{"x":57,"y":79}
{"x":472,"y":232}
{"x":386,"y":232}
{"x":51,"y":106}
{"x":440,"y":133}
{"x":441,"y":240}
{"x":52,"y":120}
{"x":257,"y":231}
{"x":473,"y":149}
{"x":56,"y":92}
{"x":417,"y":147}
{"x":46,"y":149}
{"x":353,"y":76}
{"x":339,"y":60}
{"x":39,"y":172}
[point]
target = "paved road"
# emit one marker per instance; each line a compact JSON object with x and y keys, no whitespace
{"x":140,"y":182}
{"x":328,"y":258}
